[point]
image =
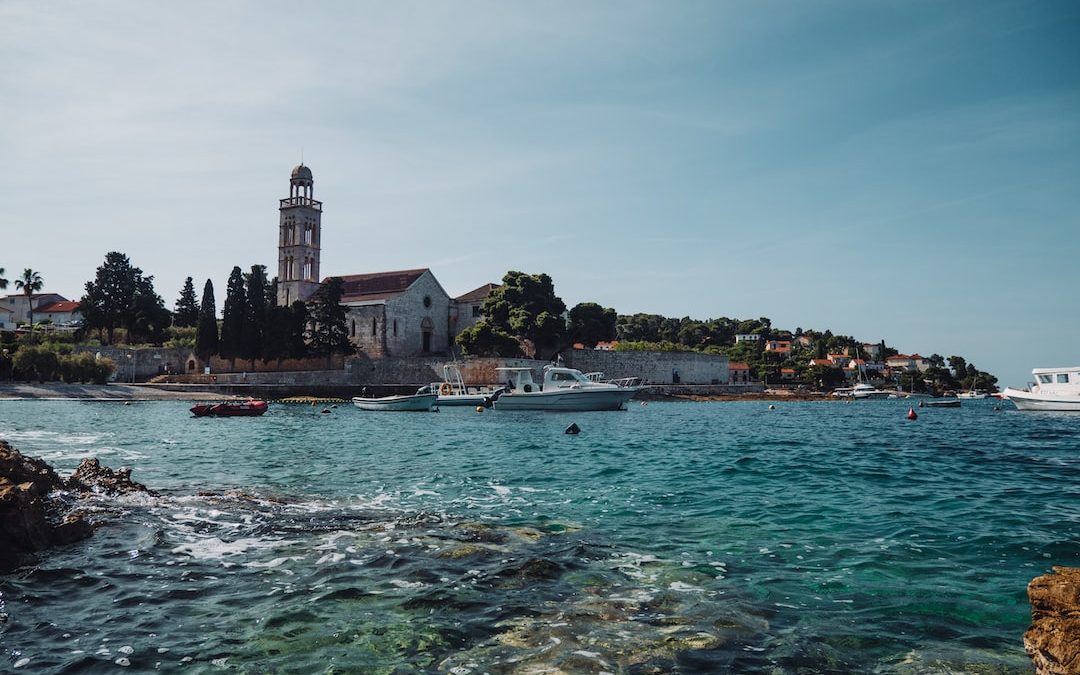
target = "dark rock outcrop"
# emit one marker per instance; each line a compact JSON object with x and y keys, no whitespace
{"x":30,"y":520}
{"x":1053,"y":639}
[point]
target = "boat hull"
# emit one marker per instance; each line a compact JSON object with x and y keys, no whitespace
{"x":245,"y":409}
{"x":570,"y":400}
{"x":461,"y":399}
{"x":411,"y":403}
{"x":1026,"y":400}
{"x":949,"y":403}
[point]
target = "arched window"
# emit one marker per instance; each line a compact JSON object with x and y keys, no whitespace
{"x":395,"y":327}
{"x":372,"y":326}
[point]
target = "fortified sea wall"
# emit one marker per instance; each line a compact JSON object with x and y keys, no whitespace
{"x":654,"y":367}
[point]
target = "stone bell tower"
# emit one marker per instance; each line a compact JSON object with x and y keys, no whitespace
{"x":299,"y":240}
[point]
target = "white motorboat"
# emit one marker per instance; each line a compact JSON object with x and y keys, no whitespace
{"x":1053,"y":389}
{"x":406,"y":402}
{"x":453,"y":391}
{"x":863,"y":390}
{"x":563,"y":389}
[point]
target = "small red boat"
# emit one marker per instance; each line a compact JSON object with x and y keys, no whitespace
{"x":230,"y":409}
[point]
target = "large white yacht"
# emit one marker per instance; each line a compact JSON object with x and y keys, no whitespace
{"x":563,"y":389}
{"x":1053,"y":389}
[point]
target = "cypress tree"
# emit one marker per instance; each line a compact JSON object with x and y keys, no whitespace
{"x":232,"y":320}
{"x":254,"y":326}
{"x":206,"y":341}
{"x":187,"y":307}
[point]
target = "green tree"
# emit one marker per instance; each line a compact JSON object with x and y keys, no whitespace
{"x":29,"y":283}
{"x":147,"y":319}
{"x":526,"y":307}
{"x":187,"y":307}
{"x":206,"y":342}
{"x":108,"y":300}
{"x":958,"y":365}
{"x":590,"y":323}
{"x":36,"y":362}
{"x":3,"y":281}
{"x":232,"y":322}
{"x":481,"y":339}
{"x":327,"y":332}
{"x":284,"y":336}
{"x":254,"y":326}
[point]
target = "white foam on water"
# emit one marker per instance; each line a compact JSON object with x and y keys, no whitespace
{"x":213,"y":548}
{"x":276,"y":562}
{"x":682,"y":587}
{"x":401,"y":583}
{"x":330,"y":558}
{"x":21,"y":662}
{"x":500,"y":489}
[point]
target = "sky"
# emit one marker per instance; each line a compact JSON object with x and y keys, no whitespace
{"x":906,"y":171}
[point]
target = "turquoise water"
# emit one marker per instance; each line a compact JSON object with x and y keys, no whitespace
{"x":673,"y":537}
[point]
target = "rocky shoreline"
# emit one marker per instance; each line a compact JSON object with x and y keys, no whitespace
{"x":38,"y":508}
{"x":108,"y":392}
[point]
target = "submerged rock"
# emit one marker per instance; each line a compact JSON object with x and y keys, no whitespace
{"x":31,"y":520}
{"x":1053,"y":639}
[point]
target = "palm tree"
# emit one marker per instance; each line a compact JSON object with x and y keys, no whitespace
{"x":29,"y":284}
{"x":3,"y":281}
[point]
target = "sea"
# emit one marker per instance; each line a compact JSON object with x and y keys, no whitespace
{"x":673,"y":537}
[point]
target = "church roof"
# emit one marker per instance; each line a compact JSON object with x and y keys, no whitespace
{"x":477,"y":294}
{"x":378,"y":285}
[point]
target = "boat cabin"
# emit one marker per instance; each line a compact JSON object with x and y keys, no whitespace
{"x":1057,"y":380}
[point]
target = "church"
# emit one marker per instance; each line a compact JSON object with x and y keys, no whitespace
{"x":390,"y":314}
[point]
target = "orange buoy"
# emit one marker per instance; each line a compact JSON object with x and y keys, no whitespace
{"x":911,"y":414}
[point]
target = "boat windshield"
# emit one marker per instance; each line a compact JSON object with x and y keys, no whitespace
{"x":566,"y":376}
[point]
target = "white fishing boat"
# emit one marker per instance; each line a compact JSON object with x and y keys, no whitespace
{"x":453,"y":391}
{"x":1053,"y":389}
{"x":406,"y":402}
{"x":563,"y":389}
{"x":973,"y":394}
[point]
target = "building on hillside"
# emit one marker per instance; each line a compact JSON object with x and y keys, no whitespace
{"x":821,"y":362}
{"x":299,"y":239}
{"x":747,"y":337}
{"x":912,"y":362}
{"x":467,"y":309}
{"x":400,"y":313}
{"x":20,"y":307}
{"x":63,"y":313}
{"x":7,"y":319}
{"x":871,"y":350}
{"x":781,"y":348}
{"x":605,"y":346}
{"x":804,"y":341}
{"x":839,"y":360}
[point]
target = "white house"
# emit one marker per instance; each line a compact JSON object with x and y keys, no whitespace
{"x":747,"y":337}
{"x":7,"y":319}
{"x":62,"y":313}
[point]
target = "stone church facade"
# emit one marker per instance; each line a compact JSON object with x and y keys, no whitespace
{"x":390,"y":314}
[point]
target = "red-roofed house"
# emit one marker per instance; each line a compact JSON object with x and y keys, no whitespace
{"x":787,"y":373}
{"x":738,"y":373}
{"x":781,"y":348}
{"x":906,"y":362}
{"x":60,"y":313}
{"x":399,"y":313}
{"x":20,"y":308}
{"x":607,"y":346}
{"x":821,"y":362}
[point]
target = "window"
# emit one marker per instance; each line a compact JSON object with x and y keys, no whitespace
{"x":476,"y":310}
{"x":395,"y":327}
{"x":1044,"y":379}
{"x":352,"y":332}
{"x":1062,"y":378}
{"x":427,"y":301}
{"x":372,"y":326}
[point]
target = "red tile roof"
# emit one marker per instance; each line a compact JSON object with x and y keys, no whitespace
{"x":477,"y":294}
{"x":57,"y":307}
{"x":738,"y":366}
{"x":820,"y":362}
{"x":378,"y":285}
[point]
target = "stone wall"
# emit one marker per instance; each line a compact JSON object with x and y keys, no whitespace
{"x":139,"y":365}
{"x":655,"y":367}
{"x":367,"y":328}
{"x":406,"y":316}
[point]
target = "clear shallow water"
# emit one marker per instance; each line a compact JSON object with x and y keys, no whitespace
{"x":674,"y":537}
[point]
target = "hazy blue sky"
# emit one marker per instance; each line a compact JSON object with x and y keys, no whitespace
{"x":899,"y":170}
